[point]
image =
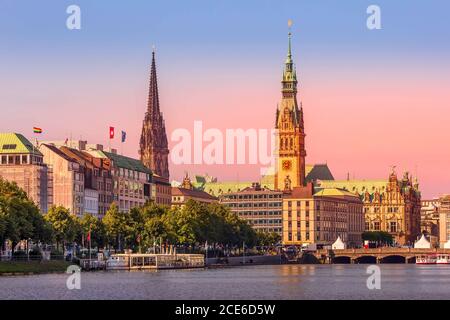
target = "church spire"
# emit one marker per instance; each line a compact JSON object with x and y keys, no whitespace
{"x":153,"y":144}
{"x":289,"y":81}
{"x":153,"y":97}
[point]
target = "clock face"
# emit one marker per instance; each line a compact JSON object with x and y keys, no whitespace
{"x":287,"y":164}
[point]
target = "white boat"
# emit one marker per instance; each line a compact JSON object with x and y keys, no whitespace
{"x":117,"y":263}
{"x":426,"y":259}
{"x":443,"y":259}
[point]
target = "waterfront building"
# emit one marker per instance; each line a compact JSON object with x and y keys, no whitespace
{"x":67,"y":179}
{"x":260,"y":206}
{"x":289,"y":124}
{"x":429,"y":219}
{"x":320,"y":216}
{"x":444,"y":220}
{"x":186,"y":192}
{"x":130,"y":178}
{"x":162,"y":190}
{"x":391,"y":205}
{"x":22,"y":163}
{"x":97,"y":181}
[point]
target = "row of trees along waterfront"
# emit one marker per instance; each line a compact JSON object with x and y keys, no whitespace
{"x":191,"y":226}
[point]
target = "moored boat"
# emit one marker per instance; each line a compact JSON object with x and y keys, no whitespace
{"x":426,"y":259}
{"x":443,"y":259}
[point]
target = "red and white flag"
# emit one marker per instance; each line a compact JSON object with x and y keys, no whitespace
{"x":111,"y":132}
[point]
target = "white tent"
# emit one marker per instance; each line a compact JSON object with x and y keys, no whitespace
{"x":423,"y":243}
{"x":338,"y":244}
{"x":447,"y":245}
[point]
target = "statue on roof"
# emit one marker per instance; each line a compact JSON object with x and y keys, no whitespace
{"x":287,"y":183}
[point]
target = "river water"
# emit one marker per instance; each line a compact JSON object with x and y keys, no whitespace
{"x":398,"y":281}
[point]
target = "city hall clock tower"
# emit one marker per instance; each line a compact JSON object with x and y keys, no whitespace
{"x":291,"y":153}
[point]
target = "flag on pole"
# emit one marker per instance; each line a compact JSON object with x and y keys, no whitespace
{"x":66,"y":141}
{"x":88,"y":238}
{"x":124,"y":136}
{"x":111,"y":132}
{"x":37,"y":130}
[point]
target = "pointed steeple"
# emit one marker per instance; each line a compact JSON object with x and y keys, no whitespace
{"x":289,"y":81}
{"x":153,"y":144}
{"x":153,"y":97}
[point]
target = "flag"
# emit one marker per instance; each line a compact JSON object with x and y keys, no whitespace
{"x":124,"y":136}
{"x":65,"y":142}
{"x":37,"y":130}
{"x":88,"y":238}
{"x":111,"y":132}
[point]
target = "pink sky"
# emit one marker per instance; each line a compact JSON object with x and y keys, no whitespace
{"x":359,"y":121}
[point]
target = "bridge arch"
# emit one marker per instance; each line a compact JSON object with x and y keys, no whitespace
{"x":342,"y":260}
{"x":393,"y":259}
{"x":366,"y":259}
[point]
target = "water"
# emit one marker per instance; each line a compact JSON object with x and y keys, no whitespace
{"x":252,"y":282}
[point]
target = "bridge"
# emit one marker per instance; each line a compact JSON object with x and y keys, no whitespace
{"x":375,"y":255}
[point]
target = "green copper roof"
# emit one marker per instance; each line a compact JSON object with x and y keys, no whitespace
{"x":359,"y":186}
{"x":14,"y":143}
{"x":127,"y":163}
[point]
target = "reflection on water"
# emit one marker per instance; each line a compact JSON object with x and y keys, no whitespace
{"x":251,"y":282}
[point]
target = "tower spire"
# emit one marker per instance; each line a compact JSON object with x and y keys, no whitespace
{"x":153,"y":144}
{"x":153,"y":97}
{"x":289,"y":74}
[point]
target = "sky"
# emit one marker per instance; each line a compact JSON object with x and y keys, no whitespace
{"x":371,"y":98}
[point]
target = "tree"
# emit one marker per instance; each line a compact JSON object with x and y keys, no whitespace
{"x":20,"y":218}
{"x":65,"y":225}
{"x":94,"y":226}
{"x":116,"y":226}
{"x":267,"y":239}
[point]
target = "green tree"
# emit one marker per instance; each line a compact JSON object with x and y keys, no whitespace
{"x":65,"y":225}
{"x":117,"y":228}
{"x":89,"y":223}
{"x":20,"y":218}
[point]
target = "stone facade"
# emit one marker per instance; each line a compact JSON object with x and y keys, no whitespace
{"x":97,"y":180}
{"x":22,"y":163}
{"x":130,"y":178}
{"x":67,"y":177}
{"x":260,"y":206}
{"x":321,"y":216}
{"x":291,"y":153}
{"x":444,"y":219}
{"x":391,"y":205}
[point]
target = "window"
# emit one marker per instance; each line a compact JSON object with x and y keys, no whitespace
{"x":393,"y":226}
{"x":4,"y":160}
{"x":367,"y":228}
{"x":9,"y":146}
{"x":376,"y":226}
{"x":24,"y":159}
